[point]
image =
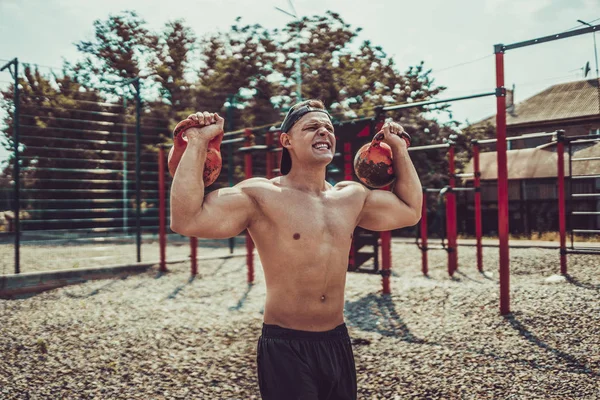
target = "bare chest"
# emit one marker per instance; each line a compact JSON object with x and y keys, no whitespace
{"x":298,"y":215}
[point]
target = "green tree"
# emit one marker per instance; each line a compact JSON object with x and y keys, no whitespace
{"x":172,"y":49}
{"x":238,"y":65}
{"x":120,"y":50}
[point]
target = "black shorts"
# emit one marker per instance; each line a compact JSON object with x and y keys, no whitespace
{"x":306,"y":365}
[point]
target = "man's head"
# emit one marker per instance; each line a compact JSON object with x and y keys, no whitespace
{"x":307,"y":131}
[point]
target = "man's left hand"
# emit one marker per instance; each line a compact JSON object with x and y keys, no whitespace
{"x":393,"y":134}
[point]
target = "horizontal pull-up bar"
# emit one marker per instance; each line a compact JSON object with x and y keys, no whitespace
{"x":426,"y":103}
{"x":508,"y":139}
{"x":500,"y":47}
{"x":579,"y":141}
{"x":586,"y":159}
{"x":429,"y":147}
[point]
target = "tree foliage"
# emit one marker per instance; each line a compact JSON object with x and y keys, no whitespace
{"x":247,"y":73}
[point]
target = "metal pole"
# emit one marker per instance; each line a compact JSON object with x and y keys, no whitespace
{"x":269,"y":154}
{"x":298,"y":69}
{"x":430,"y":102}
{"x":502,"y":182}
{"x":230,"y":167}
{"x":477,"y":186}
{"x":424,"y":266}
{"x":138,"y":169}
{"x":595,"y":54}
{"x":249,"y":242}
{"x":570,"y":205}
{"x":194,"y":255}
{"x":451,"y":215}
{"x":125,"y":207}
{"x":298,"y":58}
{"x":161,"y":209}
{"x":16,"y":167}
{"x":386,"y":260}
{"x":595,"y":51}
{"x":560,"y":177}
{"x":17,"y":172}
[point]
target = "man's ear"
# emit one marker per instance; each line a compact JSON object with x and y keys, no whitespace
{"x":284,"y":138}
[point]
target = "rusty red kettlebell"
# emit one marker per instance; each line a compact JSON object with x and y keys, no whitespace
{"x":213,"y":163}
{"x":373,"y":163}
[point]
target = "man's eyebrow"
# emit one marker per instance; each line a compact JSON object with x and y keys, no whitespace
{"x":317,"y":121}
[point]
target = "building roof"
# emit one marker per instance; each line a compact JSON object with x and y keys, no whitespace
{"x":571,"y":100}
{"x":539,"y":162}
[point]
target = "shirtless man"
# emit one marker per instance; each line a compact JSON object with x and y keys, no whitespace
{"x":302,"y":227}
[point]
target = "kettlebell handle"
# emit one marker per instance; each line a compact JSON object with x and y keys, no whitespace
{"x":379,"y":137}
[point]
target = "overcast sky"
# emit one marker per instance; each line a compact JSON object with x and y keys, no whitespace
{"x":444,"y":34}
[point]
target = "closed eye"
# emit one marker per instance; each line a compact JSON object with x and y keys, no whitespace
{"x":313,"y":127}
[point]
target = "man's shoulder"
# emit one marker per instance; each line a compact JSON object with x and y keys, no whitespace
{"x":257,"y":183}
{"x":351,"y":185}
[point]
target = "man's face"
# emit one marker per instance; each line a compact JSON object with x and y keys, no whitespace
{"x":312,"y":139}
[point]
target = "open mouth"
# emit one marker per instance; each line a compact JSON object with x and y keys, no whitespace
{"x":322,"y":146}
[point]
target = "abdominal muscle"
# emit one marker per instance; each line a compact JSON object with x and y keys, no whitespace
{"x":305,"y":291}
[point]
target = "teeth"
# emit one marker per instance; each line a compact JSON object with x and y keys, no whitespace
{"x":321,"y":146}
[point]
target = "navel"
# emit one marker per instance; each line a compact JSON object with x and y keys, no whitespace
{"x":296,"y":236}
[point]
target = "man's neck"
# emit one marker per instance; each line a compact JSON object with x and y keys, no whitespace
{"x":307,"y":180}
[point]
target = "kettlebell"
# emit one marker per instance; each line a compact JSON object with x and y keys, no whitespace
{"x":214,"y":161}
{"x":373,"y":163}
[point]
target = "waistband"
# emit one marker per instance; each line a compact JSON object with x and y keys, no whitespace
{"x":277,"y":332}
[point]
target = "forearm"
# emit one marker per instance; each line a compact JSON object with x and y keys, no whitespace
{"x":187,"y":190}
{"x":407,"y":186}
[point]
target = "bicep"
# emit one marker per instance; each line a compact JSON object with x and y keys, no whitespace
{"x":225,"y":213}
{"x":384,"y":211}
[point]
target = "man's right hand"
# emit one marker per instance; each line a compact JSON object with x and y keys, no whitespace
{"x":211,"y":125}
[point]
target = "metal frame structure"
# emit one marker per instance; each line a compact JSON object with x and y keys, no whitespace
{"x":566,"y":212}
{"x":501,"y":148}
{"x":16,"y":168}
{"x":100,"y":166}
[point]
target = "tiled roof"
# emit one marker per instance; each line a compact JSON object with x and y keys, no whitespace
{"x":563,"y":101}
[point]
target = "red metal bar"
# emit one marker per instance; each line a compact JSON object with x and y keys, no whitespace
{"x":269,"y":155}
{"x":451,"y":215}
{"x":348,"y":161}
{"x":386,"y":257}
{"x":162,"y":230}
{"x":386,"y":260}
{"x":562,"y":226}
{"x":194,"y":255}
{"x":477,"y":186}
{"x":424,"y":266}
{"x":502,"y":183}
{"x":348,"y":177}
{"x":248,"y":175}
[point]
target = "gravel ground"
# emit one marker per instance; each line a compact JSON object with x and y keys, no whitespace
{"x":152,"y":336}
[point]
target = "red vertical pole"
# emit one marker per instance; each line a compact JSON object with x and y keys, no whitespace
{"x":194,"y":255}
{"x":162,"y":236}
{"x":502,"y":182}
{"x":562,"y":226}
{"x":451,"y":214}
{"x":386,"y":260}
{"x":277,"y":160}
{"x":348,"y":177}
{"x":248,"y":174}
{"x":424,"y":266}
{"x":477,"y":186}
{"x":269,"y":154}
